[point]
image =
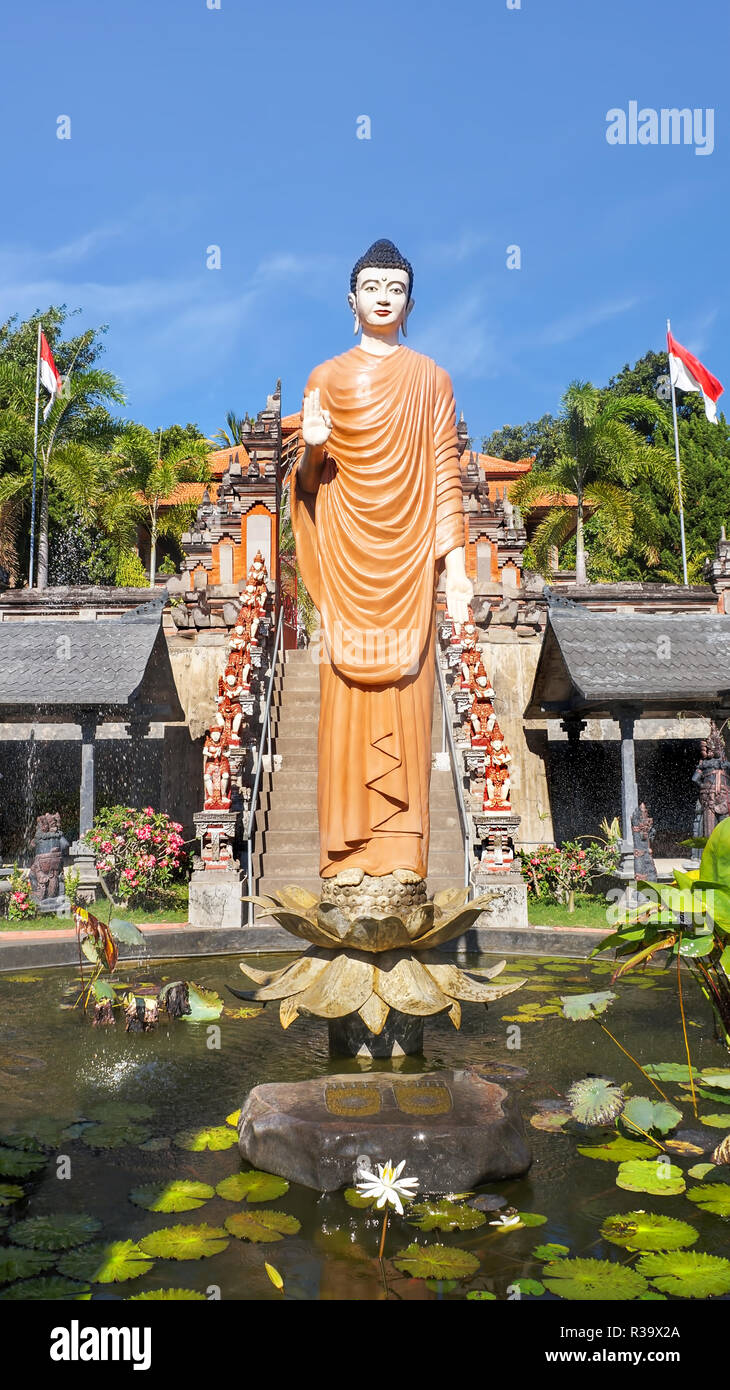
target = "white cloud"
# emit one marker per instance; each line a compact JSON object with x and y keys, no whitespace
{"x":570,"y":326}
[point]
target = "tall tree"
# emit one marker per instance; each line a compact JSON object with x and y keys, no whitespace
{"x":233,"y":433}
{"x":599,"y":457}
{"x":147,"y":476}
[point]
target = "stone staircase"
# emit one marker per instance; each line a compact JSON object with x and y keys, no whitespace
{"x":286,"y":846}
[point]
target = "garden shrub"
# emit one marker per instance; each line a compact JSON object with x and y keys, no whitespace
{"x":139,"y":853}
{"x":555,"y":873}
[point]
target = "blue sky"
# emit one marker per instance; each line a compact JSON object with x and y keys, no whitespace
{"x":236,"y":127}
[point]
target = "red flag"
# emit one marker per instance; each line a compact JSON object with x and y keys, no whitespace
{"x":50,"y":376}
{"x":688,"y":373}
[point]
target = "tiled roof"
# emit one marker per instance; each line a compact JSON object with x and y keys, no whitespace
{"x":219,"y":459}
{"x":72,"y":661}
{"x":594,"y":659}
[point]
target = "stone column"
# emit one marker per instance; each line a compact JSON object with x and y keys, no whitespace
{"x":82,"y":856}
{"x":627,"y":716}
{"x":86,"y":798}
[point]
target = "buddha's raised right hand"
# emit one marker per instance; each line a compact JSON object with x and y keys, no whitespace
{"x":316,"y":422}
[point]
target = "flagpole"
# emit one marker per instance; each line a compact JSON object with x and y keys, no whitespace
{"x":35,"y":457}
{"x":679,"y":467}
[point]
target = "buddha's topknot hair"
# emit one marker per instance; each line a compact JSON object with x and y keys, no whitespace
{"x":385,"y":255}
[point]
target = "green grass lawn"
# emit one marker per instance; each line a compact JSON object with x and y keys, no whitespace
{"x":175,"y":909}
{"x":590,"y":911}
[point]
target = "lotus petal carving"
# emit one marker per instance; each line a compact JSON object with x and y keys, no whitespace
{"x":373,"y":963}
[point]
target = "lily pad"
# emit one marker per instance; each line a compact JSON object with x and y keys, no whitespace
{"x":205,"y":1005}
{"x":641,"y":1112}
{"x":185,"y":1242}
{"x":9,"y":1193}
{"x":551,"y":1251}
{"x":483,"y":1295}
{"x":114,"y":1134}
{"x":14,"y":1163}
{"x":712,"y":1196}
{"x":120,"y":1111}
{"x":642,"y":1230}
{"x":687,"y":1273}
{"x":47,"y":1289}
{"x":591,"y":1280}
{"x":444,"y":1216}
{"x":215,"y":1137}
{"x":252,"y":1187}
{"x":233,"y":1118}
{"x":167,"y":1296}
{"x":57,"y":1232}
{"x":181,"y":1195}
{"x":42,"y":1133}
{"x":436,"y":1262}
{"x":715,"y":1121}
{"x":532,"y":1218}
{"x":581,"y":1006}
{"x":261,"y":1226}
{"x":667,"y":1071}
{"x":595,"y":1101}
{"x":532,"y":1288}
{"x":657,"y":1176}
{"x":16,"y":1263}
{"x":113,"y":1263}
{"x":700,"y":1170}
{"x":618,"y":1150}
{"x":716,"y":1076}
{"x":354,"y":1199}
{"x":551,"y":1121}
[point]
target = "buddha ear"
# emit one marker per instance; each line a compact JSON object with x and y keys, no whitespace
{"x":404,"y":325}
{"x":352,"y":301}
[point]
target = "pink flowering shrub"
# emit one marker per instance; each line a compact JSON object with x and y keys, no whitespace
{"x":20,"y":903}
{"x":555,"y":873}
{"x":139,"y":853}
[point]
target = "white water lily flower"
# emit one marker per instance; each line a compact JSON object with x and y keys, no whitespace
{"x":505,"y":1221}
{"x":388,"y":1187}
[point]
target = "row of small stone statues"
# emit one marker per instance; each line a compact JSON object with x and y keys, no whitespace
{"x":481,"y":743}
{"x":237,"y":689}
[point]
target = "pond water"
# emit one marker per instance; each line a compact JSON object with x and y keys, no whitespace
{"x":53,"y":1064}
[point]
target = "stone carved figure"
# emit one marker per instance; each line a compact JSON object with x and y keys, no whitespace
{"x":229,"y":714}
{"x":50,"y":845}
{"x":216,"y":772}
{"x":377,"y":512}
{"x":712,"y":782}
{"x":497,"y":787}
{"x":642,"y":829}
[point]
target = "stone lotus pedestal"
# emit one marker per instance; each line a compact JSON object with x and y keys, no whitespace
{"x":455,"y":1129}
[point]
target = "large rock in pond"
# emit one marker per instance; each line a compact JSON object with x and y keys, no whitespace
{"x":455,"y":1129}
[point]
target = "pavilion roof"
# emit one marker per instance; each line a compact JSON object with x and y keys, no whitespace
{"x":69,"y":662}
{"x":593,"y":661}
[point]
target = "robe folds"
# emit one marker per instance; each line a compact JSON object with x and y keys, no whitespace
{"x":388,"y":507}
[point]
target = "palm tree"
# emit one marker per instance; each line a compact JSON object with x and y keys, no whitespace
{"x":69,"y":442}
{"x":600,"y":460}
{"x":233,"y":434}
{"x":144,"y":480}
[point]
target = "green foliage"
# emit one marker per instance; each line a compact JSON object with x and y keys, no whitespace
{"x":578,"y":1007}
{"x":20,"y":904}
{"x":113,"y":1263}
{"x":555,"y":873}
{"x":712,"y":1196}
{"x":436,"y":1262}
{"x":252,"y":1187}
{"x":657,"y":1176}
{"x":180,"y":1195}
{"x":642,"y":1230}
{"x":213,"y":1137}
{"x":54,"y":1232}
{"x":591,"y":1280}
{"x":139,"y":852}
{"x":444,"y":1215}
{"x":687,"y":1273}
{"x":130,"y":573}
{"x":645,"y":1114}
{"x":261,"y":1226}
{"x":185,"y":1242}
{"x":595,"y":1101}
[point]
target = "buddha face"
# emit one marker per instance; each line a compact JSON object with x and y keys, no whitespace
{"x":381,"y":299}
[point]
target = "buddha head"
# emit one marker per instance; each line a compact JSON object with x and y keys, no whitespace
{"x":381,"y":287}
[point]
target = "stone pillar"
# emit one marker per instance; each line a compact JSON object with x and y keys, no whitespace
{"x":82,"y":856}
{"x":627,"y":716}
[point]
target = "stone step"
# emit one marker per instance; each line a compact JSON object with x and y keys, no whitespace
{"x":292,"y":816}
{"x":268,"y":862}
{"x":295,"y":837}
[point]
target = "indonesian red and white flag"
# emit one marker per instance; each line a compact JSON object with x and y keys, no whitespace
{"x":50,"y":376}
{"x":688,"y":373}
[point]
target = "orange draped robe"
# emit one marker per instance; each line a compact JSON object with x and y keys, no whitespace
{"x":388,"y":508}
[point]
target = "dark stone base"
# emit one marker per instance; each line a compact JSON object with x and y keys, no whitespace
{"x":455,"y":1129}
{"x":402,"y":1036}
